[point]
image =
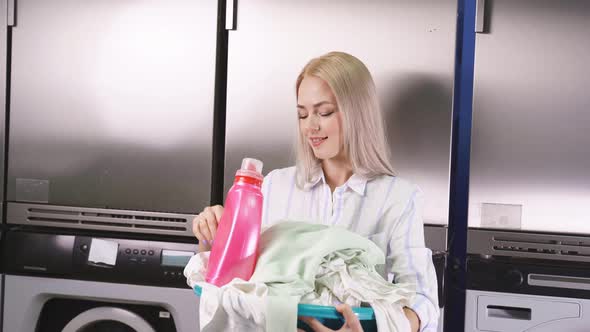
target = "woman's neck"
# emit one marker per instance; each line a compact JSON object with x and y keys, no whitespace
{"x":336,"y":172}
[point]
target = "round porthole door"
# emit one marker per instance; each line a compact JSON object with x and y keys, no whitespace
{"x":108,"y":319}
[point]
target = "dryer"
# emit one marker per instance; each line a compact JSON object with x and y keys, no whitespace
{"x":522,"y":281}
{"x":77,"y":283}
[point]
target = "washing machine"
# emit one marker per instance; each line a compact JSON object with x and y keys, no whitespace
{"x":80,"y":283}
{"x":1,"y":278}
{"x":528,"y":282}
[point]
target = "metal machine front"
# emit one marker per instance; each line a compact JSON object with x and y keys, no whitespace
{"x":111,"y":107}
{"x":85,"y":257}
{"x":3,"y":72}
{"x":61,"y":282}
{"x":529,"y":156}
{"x":523,"y":281}
{"x":408,"y":46}
{"x":529,"y":185}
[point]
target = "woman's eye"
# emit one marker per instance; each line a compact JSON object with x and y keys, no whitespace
{"x":302,"y":116}
{"x":327,"y":114}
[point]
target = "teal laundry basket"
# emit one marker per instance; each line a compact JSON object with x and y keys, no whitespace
{"x":329,"y":315}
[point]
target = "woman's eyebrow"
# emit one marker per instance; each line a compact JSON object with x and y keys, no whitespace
{"x":325,"y":102}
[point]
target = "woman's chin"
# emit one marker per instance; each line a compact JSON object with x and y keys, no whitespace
{"x":322,"y":157}
{"x":319,"y":157}
{"x":322,"y":154}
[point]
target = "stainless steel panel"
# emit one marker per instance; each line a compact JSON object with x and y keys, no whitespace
{"x":528,"y":244}
{"x":28,"y":294}
{"x":558,"y":281}
{"x":409,"y":47}
{"x":3,"y":73}
{"x":531,"y":121}
{"x":548,"y":313}
{"x":112,"y":102}
{"x":435,"y":237}
{"x":99,"y":219}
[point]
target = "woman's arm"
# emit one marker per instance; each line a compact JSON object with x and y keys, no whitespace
{"x":412,"y":264}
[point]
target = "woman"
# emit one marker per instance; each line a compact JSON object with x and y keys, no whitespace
{"x":343,"y":177}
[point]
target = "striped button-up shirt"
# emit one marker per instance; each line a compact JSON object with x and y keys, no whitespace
{"x":386,"y":210}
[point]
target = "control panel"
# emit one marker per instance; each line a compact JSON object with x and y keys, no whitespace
{"x":130,"y":261}
{"x":527,"y":276}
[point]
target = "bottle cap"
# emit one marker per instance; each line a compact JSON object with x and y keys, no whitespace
{"x":251,"y":164}
{"x":251,"y":167}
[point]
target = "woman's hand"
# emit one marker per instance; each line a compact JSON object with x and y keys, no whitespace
{"x":205,"y":226}
{"x":413,"y":319}
{"x":351,"y":324}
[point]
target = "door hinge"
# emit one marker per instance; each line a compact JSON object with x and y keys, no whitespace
{"x":11,"y":13}
{"x":231,"y":13}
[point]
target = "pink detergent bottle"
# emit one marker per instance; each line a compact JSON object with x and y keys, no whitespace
{"x":235,"y":247}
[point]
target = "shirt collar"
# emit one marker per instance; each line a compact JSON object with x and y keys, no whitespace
{"x":356,"y":182}
{"x":316,"y":177}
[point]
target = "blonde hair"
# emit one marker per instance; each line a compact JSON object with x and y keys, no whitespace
{"x":364,"y":134}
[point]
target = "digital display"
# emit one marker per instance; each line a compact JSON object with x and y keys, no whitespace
{"x":176,"y":257}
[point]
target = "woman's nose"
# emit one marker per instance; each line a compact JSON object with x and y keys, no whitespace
{"x":313,"y":124}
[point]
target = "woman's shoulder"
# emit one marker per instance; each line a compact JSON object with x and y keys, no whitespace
{"x":280,"y":175}
{"x":280,"y":172}
{"x":395,"y":187}
{"x":278,"y":180}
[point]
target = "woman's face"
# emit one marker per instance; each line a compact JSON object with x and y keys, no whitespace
{"x":320,"y":121}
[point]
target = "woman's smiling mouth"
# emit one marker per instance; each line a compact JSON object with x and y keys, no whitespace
{"x":316,"y":141}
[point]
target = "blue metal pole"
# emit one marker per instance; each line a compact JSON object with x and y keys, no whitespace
{"x":454,"y":318}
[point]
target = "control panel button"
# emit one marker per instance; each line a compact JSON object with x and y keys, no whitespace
{"x":143,"y":252}
{"x":135,"y":251}
{"x":84,"y":247}
{"x":514,"y":278}
{"x":151,"y":252}
{"x":128,"y":251}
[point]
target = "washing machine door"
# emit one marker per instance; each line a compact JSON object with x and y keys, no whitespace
{"x":504,"y":312}
{"x":108,"y":319}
